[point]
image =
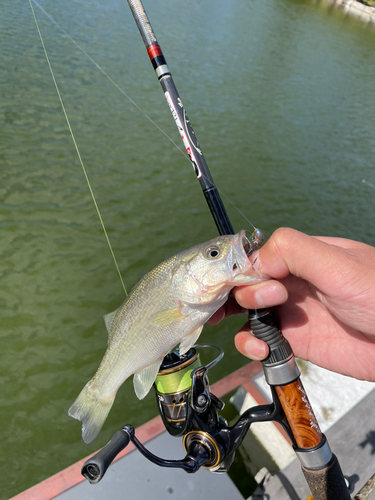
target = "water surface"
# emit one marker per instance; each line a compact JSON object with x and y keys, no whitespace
{"x":280,"y":94}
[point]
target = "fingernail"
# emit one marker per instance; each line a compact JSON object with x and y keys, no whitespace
{"x":270,"y":295}
{"x":255,"y":349}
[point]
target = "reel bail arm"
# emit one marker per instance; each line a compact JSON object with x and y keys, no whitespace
{"x":280,"y":368}
{"x":207,"y":439}
{"x":96,"y":466}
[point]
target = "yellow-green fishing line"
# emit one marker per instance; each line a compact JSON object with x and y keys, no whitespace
{"x":177,"y":381}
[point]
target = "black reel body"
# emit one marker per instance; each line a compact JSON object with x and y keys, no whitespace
{"x":189,"y":410}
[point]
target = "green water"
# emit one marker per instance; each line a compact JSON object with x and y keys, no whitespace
{"x":281,"y":97}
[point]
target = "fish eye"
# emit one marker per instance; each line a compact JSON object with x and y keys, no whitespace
{"x":212,"y":252}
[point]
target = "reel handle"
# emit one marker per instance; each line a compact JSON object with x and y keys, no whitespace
{"x":199,"y":454}
{"x":96,"y":466}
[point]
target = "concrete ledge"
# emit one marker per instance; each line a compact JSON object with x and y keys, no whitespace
{"x":352,"y":439}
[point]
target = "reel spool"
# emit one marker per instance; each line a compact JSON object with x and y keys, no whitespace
{"x":189,"y":409}
{"x":173,"y":385}
{"x":183,"y":392}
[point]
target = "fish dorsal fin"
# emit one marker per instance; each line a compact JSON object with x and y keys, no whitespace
{"x":144,"y":379}
{"x":189,"y":340}
{"x":167,"y":316}
{"x":108,"y":319}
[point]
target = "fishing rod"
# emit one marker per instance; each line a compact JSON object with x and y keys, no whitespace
{"x":208,"y":441}
{"x":280,"y":368}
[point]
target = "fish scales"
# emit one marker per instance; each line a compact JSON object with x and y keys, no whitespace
{"x":168,"y":306}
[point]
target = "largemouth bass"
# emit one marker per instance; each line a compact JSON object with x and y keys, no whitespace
{"x":168,"y":306}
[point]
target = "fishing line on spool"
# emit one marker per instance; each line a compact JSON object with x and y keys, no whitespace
{"x":77,"y":149}
{"x":172,"y":381}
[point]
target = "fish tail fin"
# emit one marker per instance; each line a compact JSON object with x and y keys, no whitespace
{"x":92,"y":410}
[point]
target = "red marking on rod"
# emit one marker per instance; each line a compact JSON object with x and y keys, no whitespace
{"x":154,"y":51}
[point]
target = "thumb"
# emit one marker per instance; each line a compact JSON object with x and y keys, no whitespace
{"x":291,"y":252}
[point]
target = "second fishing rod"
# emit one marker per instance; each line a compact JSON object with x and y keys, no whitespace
{"x":320,"y":467}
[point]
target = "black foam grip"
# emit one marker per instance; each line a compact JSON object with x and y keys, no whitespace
{"x":266,"y":327}
{"x":327,"y":483}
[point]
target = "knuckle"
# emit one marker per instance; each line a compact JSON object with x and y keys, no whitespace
{"x":283,"y":239}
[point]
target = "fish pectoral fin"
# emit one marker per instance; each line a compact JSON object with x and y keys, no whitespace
{"x":167,"y":316}
{"x":189,"y":340}
{"x":108,"y":319}
{"x":144,"y":379}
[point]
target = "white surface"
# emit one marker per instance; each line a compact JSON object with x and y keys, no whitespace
{"x":135,"y":478}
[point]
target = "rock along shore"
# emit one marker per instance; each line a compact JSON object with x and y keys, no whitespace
{"x":357,"y":9}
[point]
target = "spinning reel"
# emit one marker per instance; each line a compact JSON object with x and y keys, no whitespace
{"x":189,"y":410}
{"x":186,"y":404}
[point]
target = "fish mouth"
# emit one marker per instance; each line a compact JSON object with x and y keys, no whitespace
{"x":243,"y":247}
{"x":254,"y":242}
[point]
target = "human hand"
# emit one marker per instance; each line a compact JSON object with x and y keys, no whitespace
{"x":325,"y":297}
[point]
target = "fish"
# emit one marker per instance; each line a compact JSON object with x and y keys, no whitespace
{"x":167,"y":307}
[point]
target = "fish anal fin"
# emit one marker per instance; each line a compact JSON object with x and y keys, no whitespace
{"x":167,"y":316}
{"x":189,"y":340}
{"x":144,"y":379}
